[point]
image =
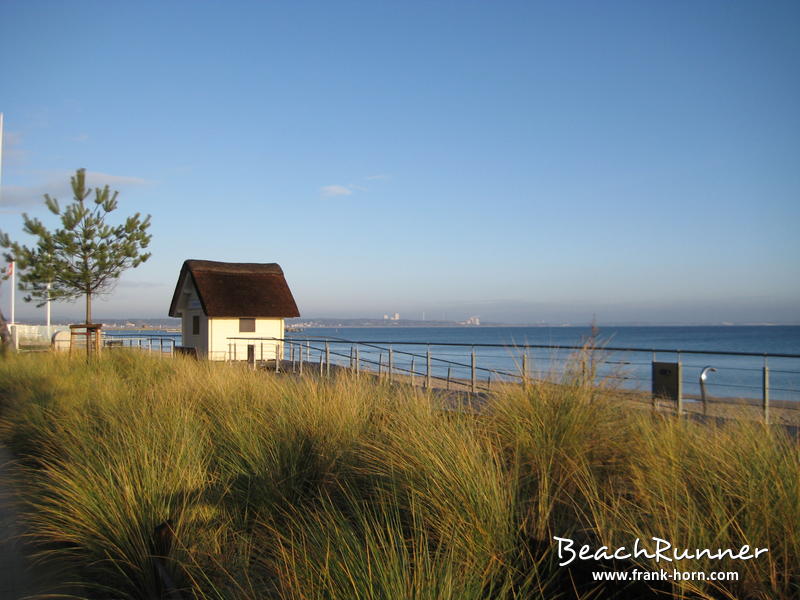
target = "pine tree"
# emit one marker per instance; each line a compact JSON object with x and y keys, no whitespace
{"x":85,"y":256}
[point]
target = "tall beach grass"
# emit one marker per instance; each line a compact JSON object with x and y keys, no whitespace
{"x":231,"y":483}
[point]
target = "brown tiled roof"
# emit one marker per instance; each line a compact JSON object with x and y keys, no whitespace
{"x":238,"y":289}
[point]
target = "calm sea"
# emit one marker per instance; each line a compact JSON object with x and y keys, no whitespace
{"x":735,"y":376}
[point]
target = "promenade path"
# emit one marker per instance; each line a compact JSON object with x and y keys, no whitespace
{"x":20,"y":577}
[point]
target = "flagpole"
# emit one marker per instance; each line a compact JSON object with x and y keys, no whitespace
{"x":13,"y":266}
{"x":13,"y":288}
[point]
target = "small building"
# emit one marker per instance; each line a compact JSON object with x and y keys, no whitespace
{"x":224,"y":305}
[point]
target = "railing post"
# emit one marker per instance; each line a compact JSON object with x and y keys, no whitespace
{"x":278,"y":357}
{"x":358,"y":361}
{"x":391,"y":363}
{"x":327,"y":359}
{"x":261,"y":344}
{"x":765,"y":391}
{"x":300,"y":362}
{"x":655,"y":399}
{"x":474,"y":386}
{"x":525,"y":368}
{"x":291,"y":354}
{"x":352,"y":358}
{"x":412,"y":370}
{"x":380,"y":365}
{"x":428,"y":371}
{"x":448,"y":378}
{"x":320,"y":363}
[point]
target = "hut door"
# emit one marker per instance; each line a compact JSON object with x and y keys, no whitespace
{"x":251,"y":354}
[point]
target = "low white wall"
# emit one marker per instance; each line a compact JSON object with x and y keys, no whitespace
{"x":39,"y":335}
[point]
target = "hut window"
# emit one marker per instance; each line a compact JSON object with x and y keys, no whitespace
{"x":196,"y":325}
{"x":247,"y":325}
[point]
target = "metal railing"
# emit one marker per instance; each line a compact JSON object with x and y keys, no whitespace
{"x":760,"y":381}
{"x":163,"y":344}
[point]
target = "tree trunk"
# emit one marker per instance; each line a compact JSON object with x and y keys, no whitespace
{"x":88,"y":307}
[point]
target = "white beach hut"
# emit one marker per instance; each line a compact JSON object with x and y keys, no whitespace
{"x":219,"y":301}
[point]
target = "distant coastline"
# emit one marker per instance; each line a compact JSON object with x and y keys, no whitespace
{"x":328,"y":323}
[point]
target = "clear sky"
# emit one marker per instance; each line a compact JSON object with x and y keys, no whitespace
{"x":521,"y":161}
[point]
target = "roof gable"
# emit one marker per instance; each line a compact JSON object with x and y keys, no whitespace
{"x":237,"y":289}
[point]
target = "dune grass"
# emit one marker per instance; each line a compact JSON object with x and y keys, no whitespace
{"x":300,"y":488}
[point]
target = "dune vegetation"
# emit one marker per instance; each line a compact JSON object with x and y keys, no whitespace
{"x":145,"y":476}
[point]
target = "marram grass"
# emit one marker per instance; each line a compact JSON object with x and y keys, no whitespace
{"x":300,"y":488}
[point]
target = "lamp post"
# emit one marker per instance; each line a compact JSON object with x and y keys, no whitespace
{"x":703,"y":375}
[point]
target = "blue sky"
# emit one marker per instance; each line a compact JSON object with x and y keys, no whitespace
{"x":521,"y":161}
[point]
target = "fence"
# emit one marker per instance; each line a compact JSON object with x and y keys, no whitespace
{"x":704,"y":380}
{"x":164,"y":344}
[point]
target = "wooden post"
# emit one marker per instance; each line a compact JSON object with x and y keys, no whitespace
{"x":300,"y":362}
{"x":525,"y":368}
{"x":474,"y":373}
{"x":765,"y":391}
{"x":320,"y":363}
{"x":327,"y":359}
{"x":380,"y":365}
{"x":391,"y":364}
{"x":428,"y":371}
{"x":412,"y":370}
{"x":261,"y":350}
{"x":655,"y":399}
{"x":358,"y":362}
{"x":448,"y":378}
{"x":291,"y":353}
{"x":352,"y":358}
